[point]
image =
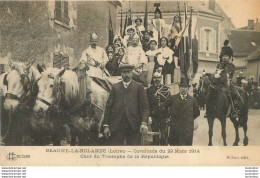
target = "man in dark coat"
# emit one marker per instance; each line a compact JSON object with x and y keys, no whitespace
{"x":183,"y":111}
{"x":157,"y":94}
{"x":127,"y":111}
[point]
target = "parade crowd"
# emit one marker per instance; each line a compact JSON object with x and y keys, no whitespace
{"x":141,"y":106}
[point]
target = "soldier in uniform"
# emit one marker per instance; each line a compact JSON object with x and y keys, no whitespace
{"x":226,"y":81}
{"x":158,"y":94}
{"x":226,"y":49}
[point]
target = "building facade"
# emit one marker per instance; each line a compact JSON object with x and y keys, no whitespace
{"x":209,"y":25}
{"x":40,"y":29}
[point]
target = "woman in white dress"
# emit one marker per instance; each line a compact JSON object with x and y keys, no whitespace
{"x":158,"y":25}
{"x":165,"y":59}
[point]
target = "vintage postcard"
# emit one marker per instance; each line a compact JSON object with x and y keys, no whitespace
{"x":133,"y":83}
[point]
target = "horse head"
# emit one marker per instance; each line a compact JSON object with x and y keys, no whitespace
{"x":18,"y":83}
{"x":47,"y":89}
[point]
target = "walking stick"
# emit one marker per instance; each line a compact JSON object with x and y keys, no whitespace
{"x":168,"y":132}
{"x":142,"y":139}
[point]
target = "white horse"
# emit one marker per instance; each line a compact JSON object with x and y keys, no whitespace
{"x":16,"y":95}
{"x":59,"y":95}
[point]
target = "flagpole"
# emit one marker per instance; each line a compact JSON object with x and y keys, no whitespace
{"x":146,"y":17}
{"x":121,"y":23}
{"x":179,"y":15}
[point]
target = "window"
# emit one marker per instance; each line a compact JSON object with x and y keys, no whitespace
{"x":208,"y":41}
{"x":61,"y":12}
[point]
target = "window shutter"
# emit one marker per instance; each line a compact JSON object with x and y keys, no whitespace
{"x":214,"y":41}
{"x":57,"y":14}
{"x":202,"y":39}
{"x":66,"y":13}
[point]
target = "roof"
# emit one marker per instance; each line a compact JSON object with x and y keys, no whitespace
{"x":166,"y":6}
{"x":240,"y":40}
{"x":254,"y":55}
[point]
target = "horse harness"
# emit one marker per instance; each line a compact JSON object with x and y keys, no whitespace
{"x":27,"y":84}
{"x":22,"y":99}
{"x":51,"y":106}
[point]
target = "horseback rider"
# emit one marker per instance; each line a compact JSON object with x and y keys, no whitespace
{"x":228,"y":69}
{"x":158,"y":94}
{"x":226,"y":49}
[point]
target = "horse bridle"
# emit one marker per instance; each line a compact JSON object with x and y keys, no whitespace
{"x":13,"y":96}
{"x":51,"y":105}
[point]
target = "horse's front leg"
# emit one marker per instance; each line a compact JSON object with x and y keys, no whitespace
{"x":210,"y":123}
{"x":245,"y":134}
{"x":223,"y":132}
{"x":236,"y":126}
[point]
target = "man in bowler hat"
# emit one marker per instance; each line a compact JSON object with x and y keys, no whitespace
{"x":127,"y":111}
{"x":183,"y":111}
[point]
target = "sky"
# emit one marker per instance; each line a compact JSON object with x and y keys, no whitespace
{"x":241,"y":10}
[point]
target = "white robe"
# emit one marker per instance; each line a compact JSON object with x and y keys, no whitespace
{"x":135,"y":56}
{"x":156,"y":29}
{"x":90,"y":55}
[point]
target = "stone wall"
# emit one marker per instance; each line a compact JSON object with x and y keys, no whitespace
{"x":30,"y":31}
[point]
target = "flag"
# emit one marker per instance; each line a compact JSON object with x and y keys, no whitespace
{"x":125,"y":26}
{"x":146,"y":17}
{"x":185,"y":48}
{"x":179,"y":15}
{"x":189,"y":30}
{"x":110,"y":31}
{"x":121,"y":24}
{"x":129,"y":18}
{"x":185,"y":13}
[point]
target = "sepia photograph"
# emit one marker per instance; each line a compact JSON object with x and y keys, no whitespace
{"x":114,"y":74}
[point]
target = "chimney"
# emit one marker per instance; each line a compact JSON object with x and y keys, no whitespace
{"x":250,"y":24}
{"x":212,"y":5}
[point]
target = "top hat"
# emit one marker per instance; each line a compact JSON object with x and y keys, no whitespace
{"x":184,"y":82}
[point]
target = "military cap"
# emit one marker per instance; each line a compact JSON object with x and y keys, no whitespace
{"x":157,"y":75}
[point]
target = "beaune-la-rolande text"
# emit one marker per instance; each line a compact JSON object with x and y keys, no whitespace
{"x":100,"y":150}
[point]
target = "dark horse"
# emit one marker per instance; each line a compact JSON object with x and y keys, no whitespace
{"x":202,"y":91}
{"x":218,"y":105}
